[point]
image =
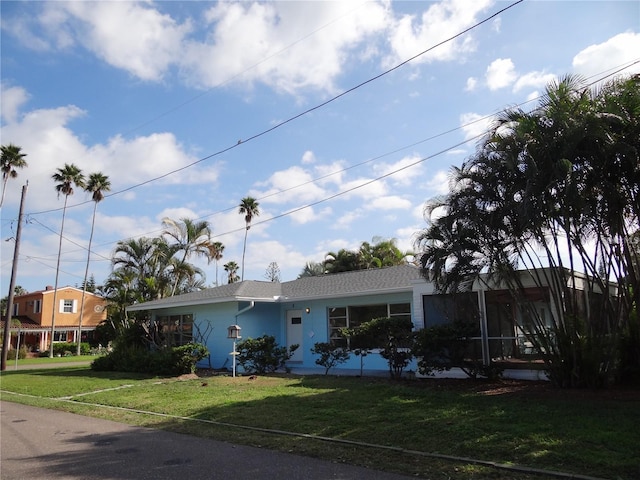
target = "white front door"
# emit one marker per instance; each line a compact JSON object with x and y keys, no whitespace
{"x":294,"y":333}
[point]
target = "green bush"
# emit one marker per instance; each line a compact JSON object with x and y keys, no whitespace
{"x":330,"y":355}
{"x":166,"y":361}
{"x":22,"y":353}
{"x":394,"y":338}
{"x":262,"y":355}
{"x":64,"y":349}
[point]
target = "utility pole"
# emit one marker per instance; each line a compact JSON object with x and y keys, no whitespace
{"x":12,"y":284}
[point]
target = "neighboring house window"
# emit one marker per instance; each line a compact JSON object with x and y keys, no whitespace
{"x":37,"y":306}
{"x":68,"y":306}
{"x":351,"y":317}
{"x":59,"y":336}
{"x":16,"y":309}
{"x":175,"y":330}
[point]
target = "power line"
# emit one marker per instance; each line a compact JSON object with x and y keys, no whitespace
{"x":301,"y":114}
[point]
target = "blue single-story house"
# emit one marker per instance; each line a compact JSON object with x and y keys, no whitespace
{"x":309,"y":310}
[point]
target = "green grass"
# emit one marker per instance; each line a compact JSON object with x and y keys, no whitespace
{"x":46,"y":360}
{"x":586,"y":433}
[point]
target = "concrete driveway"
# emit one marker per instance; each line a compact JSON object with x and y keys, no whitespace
{"x":49,"y":444}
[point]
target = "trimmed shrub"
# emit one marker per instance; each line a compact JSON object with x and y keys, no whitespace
{"x":330,"y":355}
{"x":263,"y":354}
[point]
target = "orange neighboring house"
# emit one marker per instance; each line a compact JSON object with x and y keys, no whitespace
{"x":34,"y":311}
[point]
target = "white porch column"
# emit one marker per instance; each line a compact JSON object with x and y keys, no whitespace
{"x":484,"y":330}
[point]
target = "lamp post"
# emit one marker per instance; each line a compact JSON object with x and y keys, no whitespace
{"x":233,"y":332}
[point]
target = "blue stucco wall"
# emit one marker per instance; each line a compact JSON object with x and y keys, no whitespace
{"x":315,"y":329}
{"x":270,"y":319}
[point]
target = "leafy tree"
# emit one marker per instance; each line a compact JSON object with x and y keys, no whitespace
{"x":67,"y":177}
{"x":330,"y":355}
{"x":451,"y":345}
{"x":11,"y":158}
{"x":232,"y":271}
{"x":394,"y":338}
{"x":273,"y":272}
{"x":249,"y":208}
{"x":96,"y":185}
{"x":555,"y":187}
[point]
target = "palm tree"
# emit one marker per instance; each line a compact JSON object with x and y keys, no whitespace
{"x":67,"y":177}
{"x":96,"y":185}
{"x":215,"y":254}
{"x":12,"y":158}
{"x":191,"y":237}
{"x":150,"y":260}
{"x":312,"y":269}
{"x":232,"y":270}
{"x":249,"y":208}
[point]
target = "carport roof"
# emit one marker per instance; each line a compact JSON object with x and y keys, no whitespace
{"x":356,"y":283}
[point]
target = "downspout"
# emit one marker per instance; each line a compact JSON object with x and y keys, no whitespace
{"x":252,"y":304}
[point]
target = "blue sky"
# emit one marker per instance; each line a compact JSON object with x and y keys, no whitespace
{"x":176,"y":102}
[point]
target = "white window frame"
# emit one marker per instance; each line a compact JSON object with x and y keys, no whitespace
{"x":68,"y":305}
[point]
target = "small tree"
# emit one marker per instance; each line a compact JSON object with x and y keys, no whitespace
{"x":263,"y":354}
{"x":330,"y":355}
{"x":442,"y":347}
{"x":394,"y":338}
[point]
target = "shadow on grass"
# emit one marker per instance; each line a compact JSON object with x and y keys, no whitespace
{"x":594,"y":437}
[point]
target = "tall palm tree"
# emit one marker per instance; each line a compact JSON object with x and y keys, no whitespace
{"x":96,"y":185}
{"x":249,"y":208}
{"x":232,"y":270}
{"x":67,"y":177}
{"x":12,"y":158}
{"x":215,"y":254}
{"x":191,"y":238}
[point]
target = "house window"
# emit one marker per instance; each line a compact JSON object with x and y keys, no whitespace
{"x":60,"y":336}
{"x":16,"y":309}
{"x":37,"y":306}
{"x":354,"y":316}
{"x":68,"y":306}
{"x":175,"y":330}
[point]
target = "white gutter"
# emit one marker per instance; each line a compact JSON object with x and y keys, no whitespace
{"x":252,"y":304}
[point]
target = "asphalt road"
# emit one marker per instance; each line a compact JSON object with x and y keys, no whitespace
{"x":49,"y":444}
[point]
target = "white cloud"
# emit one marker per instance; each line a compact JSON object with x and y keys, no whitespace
{"x":127,"y":35}
{"x":535,"y":80}
{"x":439,"y":184}
{"x":411,"y":35}
{"x":500,"y":73}
{"x":308,"y":157}
{"x":294,"y":184}
{"x":474,"y":124}
{"x":389,"y":202}
{"x":12,"y":98}
{"x":471,"y":84}
{"x":615,"y":52}
{"x":277,"y":51}
{"x":403,"y":172}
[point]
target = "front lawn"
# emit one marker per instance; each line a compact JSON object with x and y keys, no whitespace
{"x":382,"y":424}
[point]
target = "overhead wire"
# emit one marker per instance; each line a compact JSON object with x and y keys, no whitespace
{"x":299,"y":115}
{"x":600,"y":77}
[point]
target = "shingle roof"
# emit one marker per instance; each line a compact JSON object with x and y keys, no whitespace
{"x":361,"y":282}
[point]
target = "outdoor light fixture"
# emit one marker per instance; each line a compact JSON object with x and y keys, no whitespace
{"x":308,"y":310}
{"x":233,"y":332}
